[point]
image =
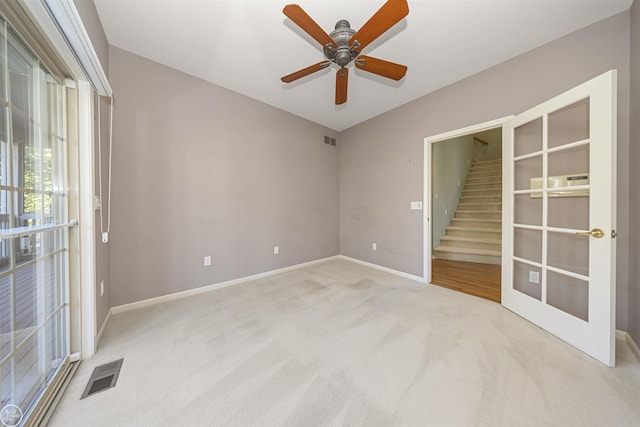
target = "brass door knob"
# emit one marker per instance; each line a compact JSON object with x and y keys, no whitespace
{"x":596,"y":232}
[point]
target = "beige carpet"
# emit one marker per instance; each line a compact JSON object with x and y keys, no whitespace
{"x":341,"y":344}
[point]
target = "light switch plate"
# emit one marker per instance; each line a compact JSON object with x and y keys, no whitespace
{"x":416,"y":206}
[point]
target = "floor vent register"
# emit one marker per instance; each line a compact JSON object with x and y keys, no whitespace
{"x":103,"y":378}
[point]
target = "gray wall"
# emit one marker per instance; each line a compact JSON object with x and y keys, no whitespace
{"x":200,"y":170}
{"x":381,"y":160}
{"x":634,"y":214}
{"x":88,"y":14}
{"x":451,"y":160}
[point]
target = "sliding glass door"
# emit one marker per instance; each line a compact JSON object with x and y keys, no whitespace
{"x":34,"y":309}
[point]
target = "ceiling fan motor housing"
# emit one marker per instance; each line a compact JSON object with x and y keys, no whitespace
{"x":343,"y":54}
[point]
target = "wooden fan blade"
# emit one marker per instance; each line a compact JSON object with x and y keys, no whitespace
{"x":304,"y":21}
{"x":305,"y":71}
{"x":342,"y":77}
{"x":383,"y":68}
{"x":386,"y":17}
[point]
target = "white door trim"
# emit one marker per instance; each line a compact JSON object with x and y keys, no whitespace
{"x":426,"y":211}
{"x":87,"y":220}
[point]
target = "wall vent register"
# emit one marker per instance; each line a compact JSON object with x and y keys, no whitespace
{"x":330,"y":141}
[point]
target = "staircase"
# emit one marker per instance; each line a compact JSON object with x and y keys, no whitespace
{"x":475,"y":232}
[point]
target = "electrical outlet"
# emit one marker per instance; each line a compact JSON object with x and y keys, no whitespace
{"x":276,"y":250}
{"x":207,"y":261}
{"x":374,"y":246}
{"x":102,"y":288}
{"x":534,"y":277}
{"x":446,"y":212}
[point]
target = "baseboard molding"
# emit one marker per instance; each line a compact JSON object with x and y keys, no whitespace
{"x":630,"y":342}
{"x":103,"y":327}
{"x":385,"y":269}
{"x":204,"y":289}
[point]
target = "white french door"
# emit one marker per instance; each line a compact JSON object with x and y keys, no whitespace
{"x":558,"y":268}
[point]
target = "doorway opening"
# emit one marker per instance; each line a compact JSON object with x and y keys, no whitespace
{"x":465,"y":219}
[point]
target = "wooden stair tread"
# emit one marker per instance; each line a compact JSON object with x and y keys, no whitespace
{"x":482,"y":191}
{"x":483,"y":186}
{"x":481,"y":220}
{"x":478,"y":229}
{"x":468,"y":251}
{"x":493,"y":162}
{"x":474,"y":198}
{"x":480,"y":206}
{"x":484,"y":174}
{"x":471,"y":239}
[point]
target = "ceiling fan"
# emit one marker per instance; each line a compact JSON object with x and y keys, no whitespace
{"x":344,"y":44}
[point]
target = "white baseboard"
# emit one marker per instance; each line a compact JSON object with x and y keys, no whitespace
{"x":385,"y":269}
{"x":103,"y":327}
{"x":183,"y":294}
{"x":634,"y":347}
{"x":630,"y":342}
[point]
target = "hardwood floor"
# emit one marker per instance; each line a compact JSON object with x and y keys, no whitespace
{"x":482,"y":280}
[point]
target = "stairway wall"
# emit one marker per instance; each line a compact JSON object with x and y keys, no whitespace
{"x":451,"y":161}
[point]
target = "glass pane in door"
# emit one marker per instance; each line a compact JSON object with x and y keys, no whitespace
{"x":569,"y":252}
{"x":569,"y":124}
{"x":527,"y":210}
{"x":528,"y":138}
{"x":527,"y":279}
{"x":527,"y":172}
{"x":527,"y":244}
{"x":568,"y":294}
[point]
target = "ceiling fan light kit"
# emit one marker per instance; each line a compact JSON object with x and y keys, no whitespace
{"x":344,"y":44}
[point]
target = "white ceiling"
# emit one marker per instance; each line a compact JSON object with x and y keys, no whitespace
{"x":246,"y":46}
